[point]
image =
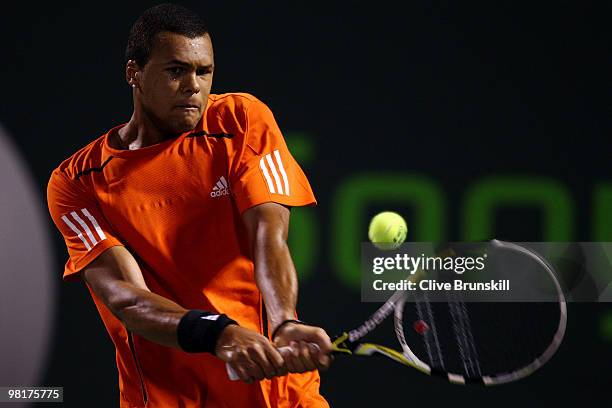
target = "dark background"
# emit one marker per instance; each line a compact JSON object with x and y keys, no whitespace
{"x":455,"y":92}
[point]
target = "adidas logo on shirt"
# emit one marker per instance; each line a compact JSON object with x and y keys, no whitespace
{"x":221,"y":188}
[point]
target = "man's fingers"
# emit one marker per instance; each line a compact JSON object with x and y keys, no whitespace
{"x":310,"y":347}
{"x":287,"y":353}
{"x":260,"y":357}
{"x":296,"y":354}
{"x":276,"y":359}
{"x":251,"y":367}
{"x":241,"y":372}
{"x":321,"y":360}
{"x":294,"y":360}
{"x":319,"y":337}
{"x":320,"y":347}
{"x":305,"y":357}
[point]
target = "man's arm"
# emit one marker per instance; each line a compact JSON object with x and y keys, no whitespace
{"x":268,"y":227}
{"x":116,"y":278}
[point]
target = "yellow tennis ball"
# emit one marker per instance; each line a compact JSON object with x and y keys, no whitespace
{"x":387,"y":230}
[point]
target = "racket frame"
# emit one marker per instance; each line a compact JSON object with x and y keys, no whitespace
{"x":348,"y":342}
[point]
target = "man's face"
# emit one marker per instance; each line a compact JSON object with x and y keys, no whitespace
{"x":175,"y":83}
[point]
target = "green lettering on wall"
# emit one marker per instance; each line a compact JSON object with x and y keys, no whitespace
{"x":301,"y":144}
{"x":349,"y":223}
{"x":602,"y":213}
{"x":303,"y":242}
{"x":486,"y":196}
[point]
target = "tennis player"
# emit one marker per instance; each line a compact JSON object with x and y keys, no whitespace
{"x":177,"y":222}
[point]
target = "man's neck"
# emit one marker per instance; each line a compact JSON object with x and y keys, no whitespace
{"x":139,"y":133}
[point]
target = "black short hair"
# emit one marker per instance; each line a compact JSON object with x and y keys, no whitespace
{"x":164,"y":17}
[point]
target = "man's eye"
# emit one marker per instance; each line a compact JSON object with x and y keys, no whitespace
{"x":203,"y":71}
{"x":176,"y":70}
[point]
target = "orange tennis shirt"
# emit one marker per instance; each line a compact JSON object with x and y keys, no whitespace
{"x":176,"y":206}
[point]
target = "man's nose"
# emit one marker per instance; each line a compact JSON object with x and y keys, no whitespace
{"x":191,"y":85}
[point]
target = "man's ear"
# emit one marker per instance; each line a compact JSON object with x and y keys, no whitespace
{"x":132,"y":73}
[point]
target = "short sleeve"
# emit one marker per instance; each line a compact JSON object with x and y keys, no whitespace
{"x":266,"y":171}
{"x":81,"y":223}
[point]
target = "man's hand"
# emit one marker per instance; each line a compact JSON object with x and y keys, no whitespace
{"x":309,"y":347}
{"x":250,"y":354}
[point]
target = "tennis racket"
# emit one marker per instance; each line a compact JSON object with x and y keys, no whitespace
{"x":470,"y":342}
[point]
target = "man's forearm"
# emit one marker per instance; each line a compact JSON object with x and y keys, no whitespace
{"x":115,"y":278}
{"x":276,"y":277}
{"x":147,"y":314}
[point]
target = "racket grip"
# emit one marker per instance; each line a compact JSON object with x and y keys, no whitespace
{"x":233,"y":375}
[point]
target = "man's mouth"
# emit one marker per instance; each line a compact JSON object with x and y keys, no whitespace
{"x":189,"y":107}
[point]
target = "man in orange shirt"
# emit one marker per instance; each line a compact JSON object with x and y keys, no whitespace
{"x":177,"y":222}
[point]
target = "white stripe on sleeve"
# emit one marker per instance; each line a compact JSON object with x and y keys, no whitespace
{"x":92,"y":219}
{"x":85,"y":227}
{"x":76,"y":231}
{"x":279,"y":162}
{"x":264,"y":170}
{"x":279,"y":187}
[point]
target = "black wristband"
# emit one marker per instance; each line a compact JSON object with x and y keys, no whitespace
{"x":284,"y":322}
{"x":198,"y":331}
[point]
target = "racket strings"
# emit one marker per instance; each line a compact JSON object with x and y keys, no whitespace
{"x":464,"y":337}
{"x":430,"y":336}
{"x":475,"y":340}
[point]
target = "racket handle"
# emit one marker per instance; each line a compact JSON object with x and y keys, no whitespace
{"x":233,"y":375}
